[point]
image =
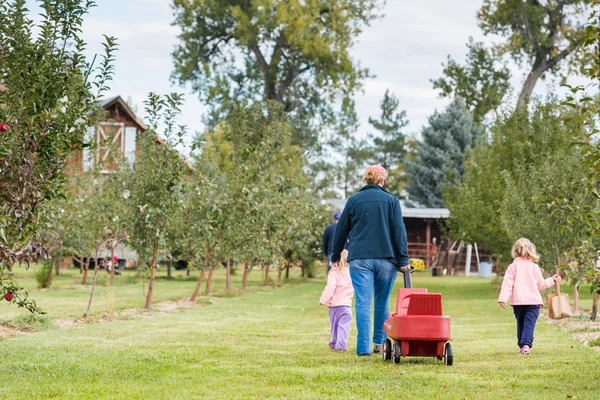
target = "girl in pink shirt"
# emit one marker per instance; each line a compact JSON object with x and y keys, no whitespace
{"x":523,"y":283}
{"x":337,"y":295}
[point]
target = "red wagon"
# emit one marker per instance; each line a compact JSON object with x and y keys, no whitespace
{"x":418,"y":328}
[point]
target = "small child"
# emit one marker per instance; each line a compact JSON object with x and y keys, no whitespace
{"x":337,"y":295}
{"x":522,"y":283}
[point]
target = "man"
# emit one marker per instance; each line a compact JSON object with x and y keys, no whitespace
{"x":372,"y":219}
{"x":328,"y":236}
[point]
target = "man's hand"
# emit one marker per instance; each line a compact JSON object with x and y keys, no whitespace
{"x":405,"y":268}
{"x":556,"y":278}
{"x":501,"y":304}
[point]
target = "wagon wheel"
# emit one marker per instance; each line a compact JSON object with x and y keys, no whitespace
{"x":387,"y":350}
{"x":448,"y":356}
{"x":397,"y":353}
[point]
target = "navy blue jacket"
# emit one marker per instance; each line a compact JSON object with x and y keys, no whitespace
{"x":328,"y":239}
{"x":373,"y":219}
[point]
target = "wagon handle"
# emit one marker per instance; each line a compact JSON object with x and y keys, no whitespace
{"x":407,"y":278}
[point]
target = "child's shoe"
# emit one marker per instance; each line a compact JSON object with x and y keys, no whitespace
{"x":525,"y":350}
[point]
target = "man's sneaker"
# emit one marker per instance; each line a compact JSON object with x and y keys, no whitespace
{"x":525,"y":350}
{"x":378,"y":349}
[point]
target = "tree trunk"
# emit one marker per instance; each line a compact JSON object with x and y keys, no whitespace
{"x":53,"y":260}
{"x":575,"y":300}
{"x":86,"y":266}
{"x":169,"y":276}
{"x":113,"y":264}
{"x":87,"y":311}
{"x":266,"y":282}
{"x":529,"y":84}
{"x":198,"y":284}
{"x":209,"y":280}
{"x":152,"y":274}
{"x":594,"y":306}
{"x":287,"y":271}
{"x":279,"y":274}
{"x":80,"y":261}
{"x":187,"y":273}
{"x":57,"y":266}
{"x":245,"y":278}
{"x":228,"y":275}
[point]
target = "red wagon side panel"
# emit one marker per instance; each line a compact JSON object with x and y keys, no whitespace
{"x":418,"y":327}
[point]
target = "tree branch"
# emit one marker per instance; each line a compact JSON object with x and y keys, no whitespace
{"x":563,"y":54}
{"x":259,"y":57}
{"x":293,"y":73}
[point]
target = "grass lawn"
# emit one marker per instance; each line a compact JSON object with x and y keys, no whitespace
{"x":68,"y":298}
{"x":272,"y":343}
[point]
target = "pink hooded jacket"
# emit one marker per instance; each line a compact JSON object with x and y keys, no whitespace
{"x":523,"y":282}
{"x":339,"y":290}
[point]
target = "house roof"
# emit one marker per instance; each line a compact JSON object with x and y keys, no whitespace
{"x":407,"y":212}
{"x":109,"y":102}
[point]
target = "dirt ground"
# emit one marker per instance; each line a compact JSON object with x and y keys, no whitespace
{"x":580,"y":326}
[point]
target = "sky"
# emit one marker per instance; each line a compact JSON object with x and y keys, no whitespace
{"x":404,"y":50}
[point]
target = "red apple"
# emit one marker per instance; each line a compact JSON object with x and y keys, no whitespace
{"x":9,"y":296}
{"x":3,"y":127}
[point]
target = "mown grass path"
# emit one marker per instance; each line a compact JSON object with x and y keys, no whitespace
{"x":273,"y":344}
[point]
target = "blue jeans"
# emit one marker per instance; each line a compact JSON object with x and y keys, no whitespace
{"x":526,"y":318}
{"x":371,"y":277}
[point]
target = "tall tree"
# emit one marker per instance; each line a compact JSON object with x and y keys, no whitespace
{"x":440,"y":154}
{"x":545,"y":35}
{"x":496,"y":200}
{"x":157,"y":182}
{"x":47,"y":87}
{"x":294,"y":53}
{"x":482,"y":82}
{"x":389,"y":143}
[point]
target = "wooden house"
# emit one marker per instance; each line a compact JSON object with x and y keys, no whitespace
{"x":117,"y":130}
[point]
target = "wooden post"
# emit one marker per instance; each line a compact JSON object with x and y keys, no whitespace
{"x":428,"y":248}
{"x":449,"y":248}
{"x":468,"y":259}
{"x":458,"y":253}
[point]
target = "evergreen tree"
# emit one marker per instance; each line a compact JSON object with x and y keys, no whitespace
{"x":440,"y":154}
{"x":389,"y":145}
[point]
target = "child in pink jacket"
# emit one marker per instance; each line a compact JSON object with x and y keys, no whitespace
{"x":522,"y":283}
{"x":337,"y":295}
